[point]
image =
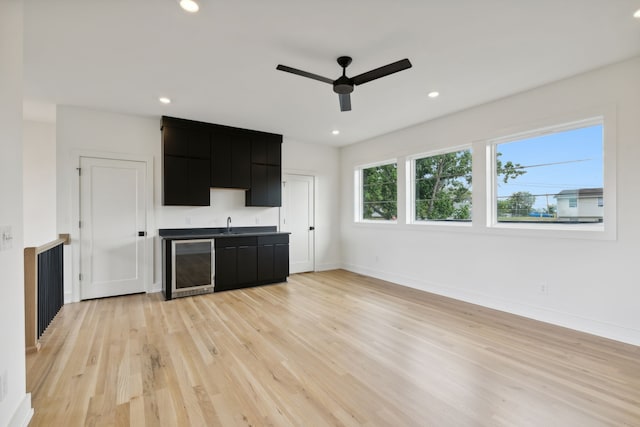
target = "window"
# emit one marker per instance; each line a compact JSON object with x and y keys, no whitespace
{"x":377,"y":186}
{"x":441,"y":186}
{"x":554,"y":176}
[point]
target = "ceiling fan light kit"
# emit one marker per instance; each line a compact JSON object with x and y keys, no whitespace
{"x":344,"y":85}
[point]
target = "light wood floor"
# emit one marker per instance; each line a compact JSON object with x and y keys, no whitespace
{"x":330,"y":348}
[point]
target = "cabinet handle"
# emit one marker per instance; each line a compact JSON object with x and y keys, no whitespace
{"x":142,"y":233}
{"x":311,"y":228}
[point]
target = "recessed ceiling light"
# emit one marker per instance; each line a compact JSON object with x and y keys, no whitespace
{"x":637,"y":14}
{"x":433,"y":94}
{"x":189,"y":5}
{"x":164,"y":100}
{"x":335,"y":132}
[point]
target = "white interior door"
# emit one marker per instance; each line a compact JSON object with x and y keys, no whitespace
{"x":112,"y":213}
{"x":298,"y":218}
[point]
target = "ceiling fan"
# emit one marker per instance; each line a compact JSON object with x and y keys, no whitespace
{"x":343,"y":85}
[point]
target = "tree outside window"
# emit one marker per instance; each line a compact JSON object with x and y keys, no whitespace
{"x":380,"y":192}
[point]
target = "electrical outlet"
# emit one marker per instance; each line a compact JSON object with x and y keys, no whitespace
{"x":543,"y":288}
{"x":6,"y":237}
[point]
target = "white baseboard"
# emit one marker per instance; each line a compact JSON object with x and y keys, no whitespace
{"x":567,"y":320}
{"x":329,"y":266}
{"x":23,"y":414}
{"x":155,"y":287}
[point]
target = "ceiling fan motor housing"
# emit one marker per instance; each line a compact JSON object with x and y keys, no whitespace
{"x":343,"y":85}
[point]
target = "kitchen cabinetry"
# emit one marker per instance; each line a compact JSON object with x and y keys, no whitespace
{"x":266,"y":174}
{"x":230,"y":158}
{"x":197,"y":156}
{"x":243,"y":261}
{"x":186,"y":165}
{"x":273,"y":258}
{"x":236,"y":261}
{"x":247,"y":257}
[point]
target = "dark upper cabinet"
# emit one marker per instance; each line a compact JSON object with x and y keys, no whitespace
{"x":186,"y":165}
{"x":186,"y":142}
{"x":266,"y":172}
{"x":274,"y":149}
{"x":198,"y":156}
{"x":230,"y":158}
{"x":220,"y":159}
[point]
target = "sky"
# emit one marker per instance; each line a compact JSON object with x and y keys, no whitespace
{"x":560,"y":161}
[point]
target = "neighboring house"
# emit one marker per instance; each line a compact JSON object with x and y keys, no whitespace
{"x":580,"y":205}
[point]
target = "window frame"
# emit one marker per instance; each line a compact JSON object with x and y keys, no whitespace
{"x":359,"y":194}
{"x":605,"y":230}
{"x":411,"y":182}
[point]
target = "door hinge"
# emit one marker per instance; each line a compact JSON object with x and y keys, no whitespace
{"x":79,"y":171}
{"x":80,"y":276}
{"x":79,"y":224}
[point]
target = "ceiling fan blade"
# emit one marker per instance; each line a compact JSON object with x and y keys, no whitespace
{"x":345,"y":101}
{"x":381,"y":72}
{"x":303,"y":73}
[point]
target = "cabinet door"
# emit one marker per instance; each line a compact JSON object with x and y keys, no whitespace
{"x":281,"y":262}
{"x":258,"y":195}
{"x":185,"y":181}
{"x":259,"y":149}
{"x":220,"y":164}
{"x":266,"y":186}
{"x":199,"y":143}
{"x":186,"y":142}
{"x":265,"y":263}
{"x":247,"y":265}
{"x":241,"y":161}
{"x":274,"y":186}
{"x":175,"y":141}
{"x":175,"y":180}
{"x":226,"y":268}
{"x":199,"y":182}
{"x":274,"y":149}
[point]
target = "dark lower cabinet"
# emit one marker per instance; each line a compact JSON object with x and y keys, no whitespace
{"x":265,"y":262}
{"x":249,"y":261}
{"x":226,"y":275}
{"x":281,"y":261}
{"x":273,"y":258}
{"x":246,"y":267}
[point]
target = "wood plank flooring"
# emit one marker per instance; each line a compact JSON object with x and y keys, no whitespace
{"x":330,"y":348}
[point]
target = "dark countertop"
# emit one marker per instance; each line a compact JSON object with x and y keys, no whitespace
{"x":217,"y":232}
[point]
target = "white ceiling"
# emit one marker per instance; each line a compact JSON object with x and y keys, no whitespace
{"x":219,"y":65}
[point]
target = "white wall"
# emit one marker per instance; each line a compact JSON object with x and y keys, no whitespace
{"x":39,"y":183}
{"x":84,"y":131}
{"x":323,"y":163}
{"x":592,"y":283}
{"x":15,"y":408}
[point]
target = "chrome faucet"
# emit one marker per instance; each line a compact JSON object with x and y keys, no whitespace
{"x":228,"y":224}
